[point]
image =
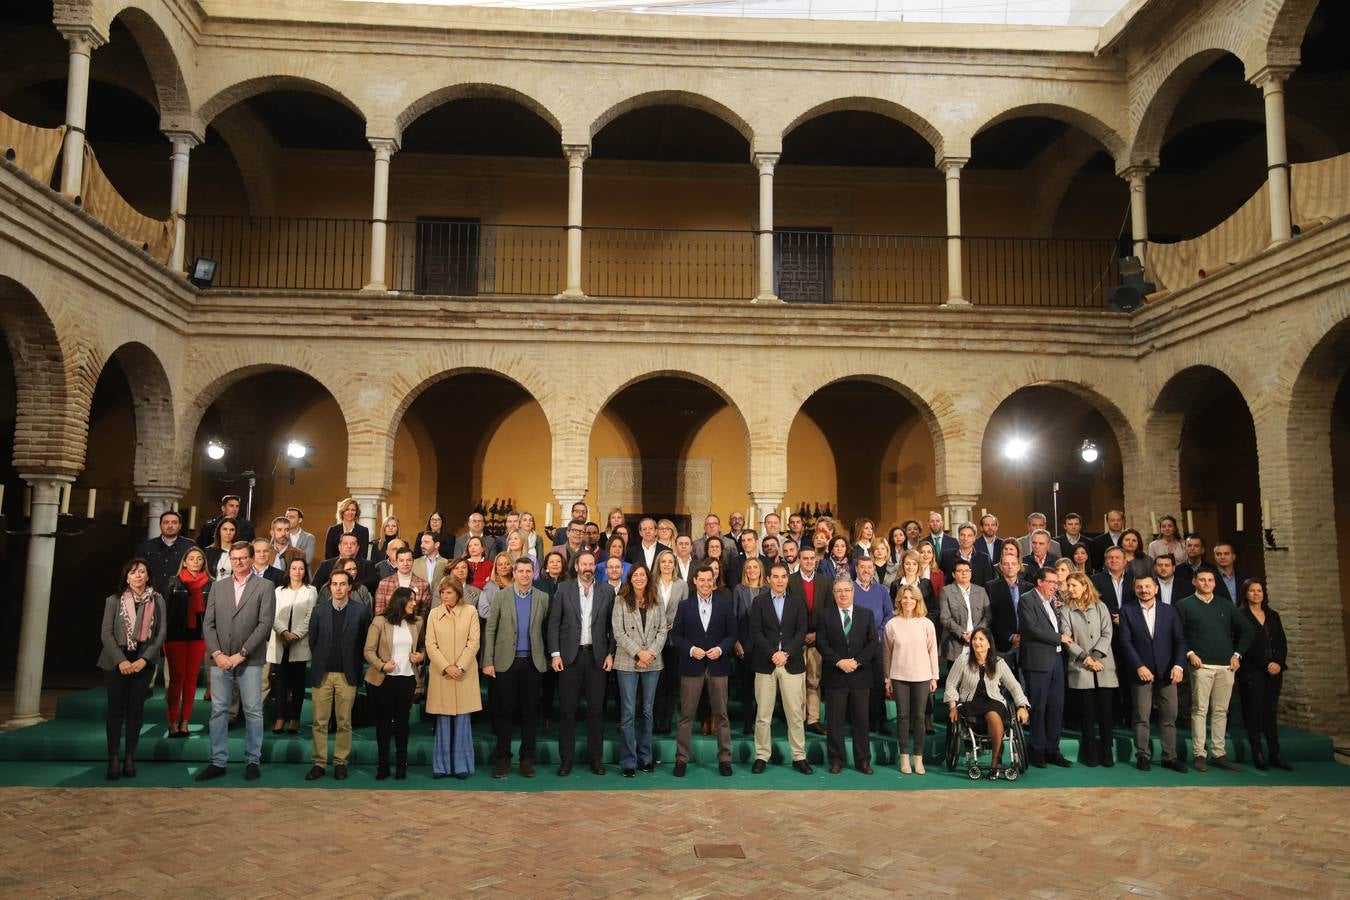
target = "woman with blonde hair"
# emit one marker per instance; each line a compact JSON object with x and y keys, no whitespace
{"x":517,"y":548}
{"x":348,"y":511}
{"x":1092,"y":668}
{"x":666,"y":533}
{"x":910,"y":662}
{"x":743,"y":595}
{"x":501,"y":579}
{"x":288,"y":650}
{"x":671,"y":591}
{"x":452,"y":638}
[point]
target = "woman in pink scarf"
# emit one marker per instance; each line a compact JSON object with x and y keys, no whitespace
{"x":133,"y":632}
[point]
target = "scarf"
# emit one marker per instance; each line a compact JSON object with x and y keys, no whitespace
{"x":196,"y":602}
{"x":134,"y":608}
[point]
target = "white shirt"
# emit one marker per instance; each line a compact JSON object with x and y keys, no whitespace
{"x":1119,"y":585}
{"x":1150,"y":616}
{"x":649,"y":554}
{"x":587,"y":596}
{"x":1165,"y":591}
{"x":705,"y":611}
{"x":970,"y":617}
{"x":852,"y":613}
{"x":402,"y":648}
{"x":1054,"y":620}
{"x":430,"y":563}
{"x":682,"y":568}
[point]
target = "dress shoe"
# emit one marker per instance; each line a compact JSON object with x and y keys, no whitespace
{"x":252,"y":772}
{"x":115,"y":770}
{"x":564,"y":770}
{"x":630,"y":773}
{"x":1037,"y":759}
{"x":503,"y":768}
{"x":1175,"y":765}
{"x":381,"y":773}
{"x":815,"y":728}
{"x":214,"y":772}
{"x":759,"y":767}
{"x":128,"y":768}
{"x":724,"y":769}
{"x":918,"y":766}
{"x":648,"y":767}
{"x":1278,"y":762}
{"x":904,"y":764}
{"x":462,"y":776}
{"x":1201,"y":764}
{"x":836,"y":768}
{"x":1108,"y":760}
{"x":439,"y":775}
{"x":1059,"y":760}
{"x":340,"y":772}
{"x":527,"y":768}
{"x":1259,"y":760}
{"x":865,"y":768}
{"x":994,"y":773}
{"x":180,"y":733}
{"x":1142,"y":763}
{"x":1223,"y":762}
{"x":314,"y":774}
{"x":803,"y":766}
{"x":680,"y":768}
{"x":597,"y":768}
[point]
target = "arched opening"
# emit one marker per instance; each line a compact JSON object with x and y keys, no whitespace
{"x":1340,"y":477}
{"x":668,"y":446}
{"x":858,"y":211}
{"x":670,"y":197}
{"x":1042,"y":213}
{"x":865,"y":449}
{"x":487,"y":221}
{"x":1033,"y":443}
{"x":470,"y":438}
{"x":254,"y":413}
{"x":1206,"y":416}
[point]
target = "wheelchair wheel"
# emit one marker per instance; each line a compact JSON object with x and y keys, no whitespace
{"x":953,"y":746}
{"x":1012,"y":772}
{"x":1019,"y":742}
{"x":973,"y":772}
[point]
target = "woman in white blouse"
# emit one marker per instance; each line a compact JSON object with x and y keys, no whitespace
{"x":288,"y":650}
{"x":671,"y":591}
{"x":391,"y":651}
{"x":1169,"y":542}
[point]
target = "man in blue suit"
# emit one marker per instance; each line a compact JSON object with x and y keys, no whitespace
{"x":704,"y":635}
{"x":1154,"y":648}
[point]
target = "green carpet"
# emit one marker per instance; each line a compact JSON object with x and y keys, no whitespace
{"x":70,"y":750}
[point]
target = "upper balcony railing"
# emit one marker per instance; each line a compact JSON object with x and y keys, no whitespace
{"x":465,"y":257}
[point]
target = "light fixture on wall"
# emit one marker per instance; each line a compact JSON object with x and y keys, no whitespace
{"x":1017,"y":448}
{"x":1089,"y":451}
{"x":203,"y":272}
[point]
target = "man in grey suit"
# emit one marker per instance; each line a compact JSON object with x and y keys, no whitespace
{"x":1039,"y":624}
{"x":514,"y":658}
{"x":964,"y":607}
{"x":240,"y":612}
{"x":1035,"y":523}
{"x":712,"y":530}
{"x":580,"y":640}
{"x":301,"y":539}
{"x":490,"y":545}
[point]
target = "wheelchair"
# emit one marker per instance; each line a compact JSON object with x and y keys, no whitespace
{"x":968,"y":740}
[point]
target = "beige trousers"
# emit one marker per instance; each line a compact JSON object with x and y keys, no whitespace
{"x":1211,"y":692}
{"x":792,"y":688}
{"x":333,"y":698}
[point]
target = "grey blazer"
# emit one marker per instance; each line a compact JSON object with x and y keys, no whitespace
{"x":564,"y":622}
{"x":953,"y":616}
{"x":630,"y":637}
{"x":245,"y":629}
{"x":1091,"y":632}
{"x":499,"y":642}
{"x":304,"y":542}
{"x":963,"y":681}
{"x":114,"y":632}
{"x":679,"y":592}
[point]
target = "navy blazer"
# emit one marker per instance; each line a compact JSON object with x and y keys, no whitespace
{"x":981,"y":566}
{"x":982,"y":546}
{"x":767,"y":633}
{"x":687,"y":633}
{"x":861,"y":644}
{"x":355,"y":625}
{"x":1102,"y":581}
{"x":632,"y":553}
{"x":1002,"y":613}
{"x":1167,"y":647}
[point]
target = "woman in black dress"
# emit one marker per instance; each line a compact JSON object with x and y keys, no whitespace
{"x":1261,"y":675}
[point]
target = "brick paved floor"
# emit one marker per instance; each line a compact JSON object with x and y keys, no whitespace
{"x":1196,"y":842}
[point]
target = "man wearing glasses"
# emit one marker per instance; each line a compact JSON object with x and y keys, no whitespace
{"x":1039,"y":624}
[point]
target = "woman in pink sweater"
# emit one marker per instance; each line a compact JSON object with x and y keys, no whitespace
{"x":911,"y":666}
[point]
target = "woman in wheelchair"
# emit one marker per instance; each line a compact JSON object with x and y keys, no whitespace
{"x":977,"y":681}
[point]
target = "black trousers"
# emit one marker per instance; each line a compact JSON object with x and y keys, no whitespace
{"x":1260,"y":693}
{"x":126,"y":706}
{"x":288,"y":688}
{"x":1096,"y":722}
{"x":583,"y":677}
{"x":851,"y":703}
{"x":393,"y":704}
{"x":745,"y":692}
{"x":516,"y":691}
{"x":876,"y":703}
{"x":667,"y":691}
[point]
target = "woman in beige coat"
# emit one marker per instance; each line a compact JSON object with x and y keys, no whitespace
{"x":452,"y":679}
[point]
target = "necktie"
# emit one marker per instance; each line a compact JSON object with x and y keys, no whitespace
{"x":848,"y":622}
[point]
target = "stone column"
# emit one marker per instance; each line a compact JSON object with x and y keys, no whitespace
{"x":765,"y":504}
{"x":370,"y":512}
{"x":82,"y":42}
{"x":1135,"y":177}
{"x":576,"y":158}
{"x":951,"y":171}
{"x":37,"y":595}
{"x":178,"y":193}
{"x":1271,"y":82}
{"x":158,"y":502}
{"x":765,"y":162}
{"x":385,"y":148}
{"x":963,"y":509}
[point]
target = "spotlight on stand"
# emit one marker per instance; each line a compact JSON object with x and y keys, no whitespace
{"x":1129,"y":294}
{"x":296,"y":450}
{"x":1017,"y":448}
{"x":215,"y":455}
{"x":1089,"y":451}
{"x":203,"y":272}
{"x":297,"y":456}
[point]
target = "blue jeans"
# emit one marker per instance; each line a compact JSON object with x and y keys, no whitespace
{"x":636,"y":748}
{"x":249,"y":681}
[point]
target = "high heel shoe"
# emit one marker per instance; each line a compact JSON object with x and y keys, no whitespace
{"x":904,"y":765}
{"x":294,"y":727}
{"x":918,"y":766}
{"x":279,"y":726}
{"x":114,"y":769}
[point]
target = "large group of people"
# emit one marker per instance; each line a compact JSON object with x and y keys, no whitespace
{"x":1039,"y":627}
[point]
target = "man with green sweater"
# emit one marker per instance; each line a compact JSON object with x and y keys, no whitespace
{"x":1218,"y":637}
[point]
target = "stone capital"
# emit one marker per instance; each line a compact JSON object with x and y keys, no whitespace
{"x":765,"y":162}
{"x":1270,"y":74}
{"x":384,"y":147}
{"x":576,"y":154}
{"x":1136,"y":170}
{"x":950,"y":164}
{"x":82,"y":37}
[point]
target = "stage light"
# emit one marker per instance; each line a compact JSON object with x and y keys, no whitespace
{"x":1017,"y":448}
{"x":203,"y":272}
{"x":1088,"y":451}
{"x":215,"y":450}
{"x":296,"y":450}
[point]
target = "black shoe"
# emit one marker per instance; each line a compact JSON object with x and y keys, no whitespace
{"x":648,"y":767}
{"x":1175,"y":765}
{"x":1089,"y":761}
{"x":564,"y":770}
{"x":1223,"y":762}
{"x":115,"y":770}
{"x":252,"y":772}
{"x":503,"y":767}
{"x":816,"y":728}
{"x":314,"y":774}
{"x":597,"y":768}
{"x":994,"y":773}
{"x":630,"y":773}
{"x":680,"y":768}
{"x":1142,"y":763}
{"x":836,"y":768}
{"x":1201,"y":764}
{"x":439,"y":775}
{"x":462,"y":776}
{"x":724,"y":769}
{"x":1059,"y":760}
{"x":340,"y":772}
{"x":1278,"y":762}
{"x":128,"y":768}
{"x":212,"y":772}
{"x":1259,"y":760}
{"x":803,"y":766}
{"x":759,"y":767}
{"x":401,"y":772}
{"x":527,"y":768}
{"x":381,"y":773}
{"x":1108,"y":760}
{"x":1037,"y":759}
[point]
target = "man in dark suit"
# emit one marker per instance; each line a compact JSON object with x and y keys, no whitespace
{"x":735,"y":566}
{"x":1036,"y":522}
{"x":808,"y":585}
{"x":1039,"y":557}
{"x":981,"y":566}
{"x":646,"y":547}
{"x":1115,"y":583}
{"x":778,"y":628}
{"x":1073,"y":536}
{"x":1005,"y":595}
{"x":579,"y":516}
{"x":1195,"y":562}
{"x":229,"y":509}
{"x":348,"y":547}
{"x":847,"y":635}
{"x":940,"y":539}
{"x":337,"y":641}
{"x":1115,"y":530}
{"x":580,"y":642}
{"x":1038,"y":623}
{"x":1227,"y":579}
{"x":164,"y":552}
{"x":1153,"y":649}
{"x":988,"y":542}
{"x":475,"y":529}
{"x":704,"y":635}
{"x":262,"y":563}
